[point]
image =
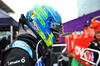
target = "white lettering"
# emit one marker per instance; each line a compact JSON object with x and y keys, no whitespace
{"x":24,"y":45}
{"x":79,"y":50}
{"x":14,"y":62}
{"x":72,"y":44}
{"x":17,"y":61}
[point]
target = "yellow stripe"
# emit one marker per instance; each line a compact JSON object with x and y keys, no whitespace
{"x":52,"y":14}
{"x":51,"y":35}
{"x":43,"y":12}
{"x":40,"y":19}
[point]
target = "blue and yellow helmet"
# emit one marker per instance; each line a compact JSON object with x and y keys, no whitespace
{"x":41,"y":19}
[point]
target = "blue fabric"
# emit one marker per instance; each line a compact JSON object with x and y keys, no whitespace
{"x":43,"y":29}
{"x":40,"y":62}
{"x":23,"y":45}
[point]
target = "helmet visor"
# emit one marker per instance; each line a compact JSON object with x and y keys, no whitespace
{"x":57,"y":27}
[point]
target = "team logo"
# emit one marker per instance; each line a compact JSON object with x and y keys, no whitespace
{"x":23,"y":60}
{"x":96,"y":44}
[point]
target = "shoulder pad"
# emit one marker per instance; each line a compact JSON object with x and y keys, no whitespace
{"x":93,"y":41}
{"x":23,"y":45}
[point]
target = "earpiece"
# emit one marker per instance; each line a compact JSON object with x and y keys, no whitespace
{"x":95,"y":36}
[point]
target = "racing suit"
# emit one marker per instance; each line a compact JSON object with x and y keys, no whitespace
{"x":22,"y":52}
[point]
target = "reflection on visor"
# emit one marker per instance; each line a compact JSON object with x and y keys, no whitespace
{"x":56,"y":27}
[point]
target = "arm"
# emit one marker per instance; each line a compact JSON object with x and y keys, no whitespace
{"x":17,"y":57}
{"x":83,"y":34}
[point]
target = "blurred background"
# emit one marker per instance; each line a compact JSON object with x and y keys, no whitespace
{"x":76,"y":18}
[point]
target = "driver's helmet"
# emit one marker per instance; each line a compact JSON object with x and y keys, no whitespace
{"x":43,"y":20}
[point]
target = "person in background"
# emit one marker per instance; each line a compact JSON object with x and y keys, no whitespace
{"x":95,"y":24}
{"x":14,"y":37}
{"x":75,"y":35}
{"x":86,"y":32}
{"x":95,"y":44}
{"x":91,"y":31}
{"x":3,"y":44}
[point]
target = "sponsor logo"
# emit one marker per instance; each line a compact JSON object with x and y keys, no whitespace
{"x":17,"y":61}
{"x":24,"y":45}
{"x":79,"y":50}
{"x":13,"y":62}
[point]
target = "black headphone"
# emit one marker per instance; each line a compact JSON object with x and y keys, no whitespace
{"x":95,"y":36}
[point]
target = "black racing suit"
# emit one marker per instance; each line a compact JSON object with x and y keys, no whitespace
{"x":19,"y":57}
{"x":95,"y":45}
